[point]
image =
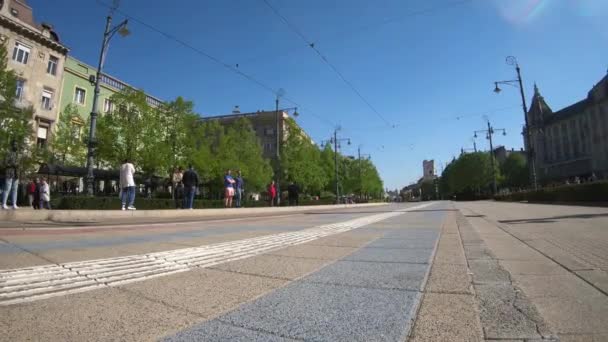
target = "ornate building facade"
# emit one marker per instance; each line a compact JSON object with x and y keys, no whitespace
{"x":571,"y":142}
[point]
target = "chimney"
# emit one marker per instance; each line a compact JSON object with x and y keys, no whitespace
{"x":236,"y":110}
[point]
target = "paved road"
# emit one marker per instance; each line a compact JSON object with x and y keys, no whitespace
{"x":437,"y":271}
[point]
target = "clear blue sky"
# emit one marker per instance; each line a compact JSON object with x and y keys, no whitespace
{"x":431,"y":75}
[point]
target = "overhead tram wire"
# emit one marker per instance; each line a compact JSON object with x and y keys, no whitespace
{"x":216,"y":60}
{"x":324,"y":59}
{"x":340,"y":35}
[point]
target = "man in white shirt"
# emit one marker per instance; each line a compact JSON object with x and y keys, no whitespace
{"x":127,"y":184}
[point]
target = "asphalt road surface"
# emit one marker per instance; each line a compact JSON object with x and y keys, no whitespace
{"x":436,"y":271}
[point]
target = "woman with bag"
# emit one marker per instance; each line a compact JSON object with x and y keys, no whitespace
{"x":45,"y":195}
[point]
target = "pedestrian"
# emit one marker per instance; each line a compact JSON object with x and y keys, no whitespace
{"x":240,"y":189}
{"x":11,"y":176}
{"x":127,"y":185}
{"x":228,"y":188}
{"x":190,"y":180}
{"x":38,"y":184}
{"x":272,"y":193}
{"x":293,"y":192}
{"x":177,"y":187}
{"x":31,"y":192}
{"x":45,"y":195}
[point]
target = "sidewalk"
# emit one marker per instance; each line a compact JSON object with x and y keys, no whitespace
{"x":100,"y":216}
{"x":544,"y":264}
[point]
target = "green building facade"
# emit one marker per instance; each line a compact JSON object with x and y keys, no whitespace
{"x":77,"y":89}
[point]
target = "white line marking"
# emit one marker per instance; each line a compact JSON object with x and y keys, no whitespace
{"x":40,"y":282}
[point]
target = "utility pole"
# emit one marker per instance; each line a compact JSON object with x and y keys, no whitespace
{"x":278,"y":152}
{"x":336,"y":142}
{"x":361,"y":170}
{"x":489,"y":133}
{"x":511,"y":60}
{"x":360,"y":176}
{"x":336,"y":165}
{"x":92,"y":143}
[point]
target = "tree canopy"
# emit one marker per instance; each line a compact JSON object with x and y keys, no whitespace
{"x":157,"y":139}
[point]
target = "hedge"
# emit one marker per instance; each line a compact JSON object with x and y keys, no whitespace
{"x":114,"y":203}
{"x":587,"y":192}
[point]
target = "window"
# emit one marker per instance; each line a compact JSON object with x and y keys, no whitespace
{"x":42,"y":134}
{"x":20,"y":89}
{"x":21,"y":53}
{"x":108,"y":106}
{"x":269,"y":131}
{"x":47,"y":99}
{"x":268,"y":147}
{"x":80,"y":96}
{"x":51,"y":68}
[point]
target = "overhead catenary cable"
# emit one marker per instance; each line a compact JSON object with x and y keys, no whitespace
{"x":324,"y":59}
{"x":339,"y":36}
{"x":214,"y":59}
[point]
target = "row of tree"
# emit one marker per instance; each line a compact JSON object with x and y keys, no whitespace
{"x":157,"y":139}
{"x":471,"y":176}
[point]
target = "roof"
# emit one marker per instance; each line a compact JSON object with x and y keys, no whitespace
{"x":569,"y":111}
{"x":238,"y":115}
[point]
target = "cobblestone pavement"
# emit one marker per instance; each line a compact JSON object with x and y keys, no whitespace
{"x":437,"y":271}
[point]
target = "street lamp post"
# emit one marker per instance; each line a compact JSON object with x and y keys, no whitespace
{"x":360,"y":169}
{"x":518,"y":83}
{"x":336,"y":142}
{"x":92,"y":143}
{"x":489,"y":133}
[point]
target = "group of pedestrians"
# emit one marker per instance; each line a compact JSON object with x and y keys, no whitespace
{"x":293,"y":194}
{"x":234,"y":187}
{"x":184,"y":185}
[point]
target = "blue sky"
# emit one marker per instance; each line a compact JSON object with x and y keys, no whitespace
{"x":430,"y":75}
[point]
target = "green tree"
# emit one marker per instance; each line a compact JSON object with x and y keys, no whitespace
{"x":328,"y":166}
{"x":301,"y":160}
{"x":235,"y":147}
{"x":178,"y":123}
{"x":69,"y":141}
{"x":135,"y":131}
{"x":471,"y":173}
{"x":15,"y":120}
{"x":515,"y":171}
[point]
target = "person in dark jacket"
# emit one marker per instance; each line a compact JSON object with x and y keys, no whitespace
{"x":293,"y":192}
{"x":190,"y":181}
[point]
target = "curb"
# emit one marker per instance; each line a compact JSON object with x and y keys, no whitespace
{"x":30,"y":215}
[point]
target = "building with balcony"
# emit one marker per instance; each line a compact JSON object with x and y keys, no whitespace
{"x":78,"y":89}
{"x":37,"y":56}
{"x":265,"y":125}
{"x":571,"y":142}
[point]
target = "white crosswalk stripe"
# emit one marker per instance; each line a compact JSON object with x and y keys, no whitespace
{"x":41,"y":282}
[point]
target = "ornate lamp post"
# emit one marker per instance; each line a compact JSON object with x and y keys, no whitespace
{"x":107,"y":35}
{"x":518,"y":83}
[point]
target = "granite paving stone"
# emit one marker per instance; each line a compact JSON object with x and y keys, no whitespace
{"x":420,"y":256}
{"x":372,"y":274}
{"x":321,"y":312}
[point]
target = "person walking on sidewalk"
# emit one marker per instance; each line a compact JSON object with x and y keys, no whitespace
{"x":177,"y":187}
{"x":272,"y":193}
{"x":240,"y":189}
{"x":11,"y":176}
{"x":127,"y":185}
{"x":45,"y":195}
{"x":31,"y":193}
{"x":293,"y":192}
{"x":228,"y":188}
{"x":190,"y":180}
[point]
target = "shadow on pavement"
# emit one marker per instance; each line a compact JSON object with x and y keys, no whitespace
{"x":553,"y":218}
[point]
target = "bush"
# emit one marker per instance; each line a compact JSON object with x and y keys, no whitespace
{"x":587,"y":192}
{"x":114,"y":203}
